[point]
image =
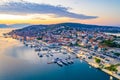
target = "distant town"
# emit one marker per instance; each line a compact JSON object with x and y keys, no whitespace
{"x":94,"y":45}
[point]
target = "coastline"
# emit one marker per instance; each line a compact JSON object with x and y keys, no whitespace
{"x":104,"y":70}
{"x":6,"y":42}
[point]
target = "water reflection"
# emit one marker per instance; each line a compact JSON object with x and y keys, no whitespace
{"x":22,"y":63}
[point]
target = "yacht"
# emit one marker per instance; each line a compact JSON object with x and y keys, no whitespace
{"x":59,"y":63}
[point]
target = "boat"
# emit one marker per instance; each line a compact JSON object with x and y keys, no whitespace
{"x":47,"y":55}
{"x":64,"y":53}
{"x":59,"y":63}
{"x":54,"y":61}
{"x":37,"y":49}
{"x":70,"y":61}
{"x":26,"y":44}
{"x":51,"y":54}
{"x":64,"y":62}
{"x":40,"y":55}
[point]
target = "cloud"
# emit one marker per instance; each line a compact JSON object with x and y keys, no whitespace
{"x":39,"y":18}
{"x":35,"y":8}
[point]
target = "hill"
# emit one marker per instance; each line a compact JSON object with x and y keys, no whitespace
{"x":3,"y":26}
{"x":18,"y":26}
{"x":34,"y":30}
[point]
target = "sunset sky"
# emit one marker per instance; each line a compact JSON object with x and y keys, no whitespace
{"x":100,"y":12}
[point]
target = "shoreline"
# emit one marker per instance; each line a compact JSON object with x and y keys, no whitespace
{"x":10,"y":40}
{"x":104,"y":70}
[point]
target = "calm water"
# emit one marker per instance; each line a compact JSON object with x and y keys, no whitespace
{"x":22,"y":63}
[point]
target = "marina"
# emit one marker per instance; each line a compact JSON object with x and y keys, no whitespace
{"x":38,"y":68}
{"x":47,"y":51}
{"x":67,"y":60}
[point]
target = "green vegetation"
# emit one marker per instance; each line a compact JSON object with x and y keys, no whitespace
{"x":101,"y":66}
{"x":39,"y":38}
{"x":97,"y":60}
{"x":112,"y":68}
{"x":117,"y":54}
{"x":110,"y":43}
{"x":117,"y":65}
{"x":78,"y":45}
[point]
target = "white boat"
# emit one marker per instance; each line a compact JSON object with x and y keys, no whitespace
{"x":59,"y":63}
{"x":70,"y":61}
{"x":64,"y":62}
{"x":51,"y":54}
{"x":40,"y":55}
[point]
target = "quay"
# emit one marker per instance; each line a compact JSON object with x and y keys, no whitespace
{"x":67,"y":50}
{"x":95,"y":65}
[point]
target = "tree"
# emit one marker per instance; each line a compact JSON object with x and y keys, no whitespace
{"x":112,"y":68}
{"x":97,"y":60}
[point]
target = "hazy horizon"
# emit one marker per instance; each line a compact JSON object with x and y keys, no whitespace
{"x":96,"y":12}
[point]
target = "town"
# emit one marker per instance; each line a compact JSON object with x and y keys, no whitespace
{"x":98,"y":49}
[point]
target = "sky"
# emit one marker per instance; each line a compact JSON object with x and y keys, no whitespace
{"x":99,"y":12}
